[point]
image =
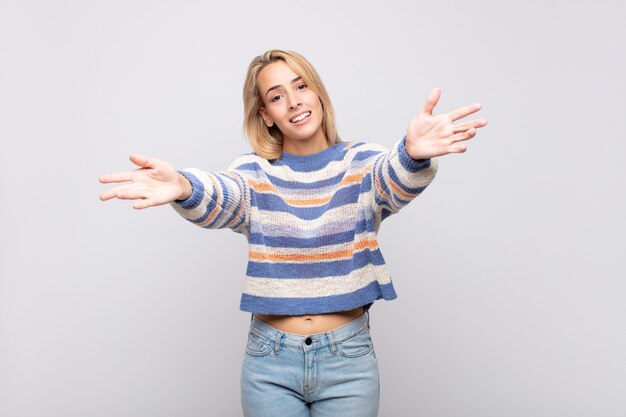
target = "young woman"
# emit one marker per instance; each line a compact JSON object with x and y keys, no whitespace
{"x":310,"y":206}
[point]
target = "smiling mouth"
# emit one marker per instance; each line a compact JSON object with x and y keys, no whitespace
{"x":300,"y":117}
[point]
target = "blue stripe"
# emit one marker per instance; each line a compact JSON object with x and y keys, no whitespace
{"x":356,"y":145}
{"x":365,"y":155}
{"x":212,"y":223}
{"x":394,"y":177}
{"x":304,"y":185}
{"x":212,"y":204}
{"x":382,"y":205}
{"x":397,"y":201}
{"x":236,"y":225}
{"x":197,"y":192}
{"x":209,"y":209}
{"x":363,"y":226}
{"x":229,"y":204}
{"x":366,"y":184}
{"x":249,"y":166}
{"x":378,"y":173}
{"x":312,"y":242}
{"x":272,"y":202}
{"x":235,"y":211}
{"x":410,"y":164}
{"x":224,"y":189}
{"x":241,"y":202}
{"x":314,"y":269}
{"x":314,"y":162}
{"x":318,"y":305}
{"x":297,"y":242}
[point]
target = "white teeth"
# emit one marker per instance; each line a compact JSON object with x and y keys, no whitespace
{"x":301,"y":117}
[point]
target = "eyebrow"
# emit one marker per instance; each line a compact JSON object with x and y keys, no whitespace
{"x":278,"y":85}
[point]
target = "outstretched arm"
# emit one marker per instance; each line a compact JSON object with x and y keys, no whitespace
{"x":208,"y":199}
{"x":154,"y":183}
{"x":403,"y":173}
{"x":429,"y":136}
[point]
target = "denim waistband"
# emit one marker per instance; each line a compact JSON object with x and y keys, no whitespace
{"x":316,"y":340}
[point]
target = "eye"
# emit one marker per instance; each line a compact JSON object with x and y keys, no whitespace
{"x":276,"y":98}
{"x":301,"y":86}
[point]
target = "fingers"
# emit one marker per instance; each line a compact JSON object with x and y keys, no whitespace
{"x":462,"y":127}
{"x":136,"y":188}
{"x":139,"y":160}
{"x":458,"y":149}
{"x":142,"y":204}
{"x":107,"y":195}
{"x":127,"y":192}
{"x":464,"y":111}
{"x":117,"y":177}
{"x":461,"y":136}
{"x":130,"y":193}
{"x":431,"y":101}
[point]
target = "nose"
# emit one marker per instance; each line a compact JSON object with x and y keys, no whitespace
{"x":294,"y":101}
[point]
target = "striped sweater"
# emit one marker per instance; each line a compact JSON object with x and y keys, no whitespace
{"x":311,"y":222}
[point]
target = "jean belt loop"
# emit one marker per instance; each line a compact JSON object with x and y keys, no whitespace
{"x":331,"y":343}
{"x":279,"y":338}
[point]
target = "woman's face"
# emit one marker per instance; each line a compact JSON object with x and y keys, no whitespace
{"x":291,"y":105}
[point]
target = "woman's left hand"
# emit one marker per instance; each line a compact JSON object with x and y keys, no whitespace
{"x":429,"y":136}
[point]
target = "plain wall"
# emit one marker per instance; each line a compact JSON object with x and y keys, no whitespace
{"x":509,"y":267}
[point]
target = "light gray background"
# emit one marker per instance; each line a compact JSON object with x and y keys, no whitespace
{"x":509,"y":268}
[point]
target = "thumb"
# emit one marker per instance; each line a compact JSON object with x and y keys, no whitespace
{"x":431,"y":101}
{"x":143,"y":161}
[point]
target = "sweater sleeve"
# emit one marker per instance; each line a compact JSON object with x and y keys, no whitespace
{"x":218,"y":200}
{"x":397,"y":179}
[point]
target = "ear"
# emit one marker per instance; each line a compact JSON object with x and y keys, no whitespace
{"x":266,"y":117}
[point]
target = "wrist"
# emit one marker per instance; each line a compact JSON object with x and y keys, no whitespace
{"x":411,"y":163}
{"x":185,"y":187}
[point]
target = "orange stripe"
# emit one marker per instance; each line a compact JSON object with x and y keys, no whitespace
{"x":308,"y":202}
{"x":352,"y":179}
{"x":347,"y":180}
{"x":328,"y":256}
{"x":236,"y":178}
{"x":217,"y":206}
{"x":380,"y":188}
{"x":400,"y":191}
{"x":261,"y":186}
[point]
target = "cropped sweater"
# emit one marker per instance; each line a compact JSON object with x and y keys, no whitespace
{"x":310,"y":221}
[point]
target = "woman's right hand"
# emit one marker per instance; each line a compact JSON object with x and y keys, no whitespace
{"x":154,"y":183}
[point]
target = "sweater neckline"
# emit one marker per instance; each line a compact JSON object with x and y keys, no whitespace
{"x":321,"y":157}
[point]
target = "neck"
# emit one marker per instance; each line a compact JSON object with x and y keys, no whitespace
{"x":305,"y":147}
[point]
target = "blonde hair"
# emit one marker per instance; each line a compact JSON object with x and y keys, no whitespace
{"x":268,"y":142}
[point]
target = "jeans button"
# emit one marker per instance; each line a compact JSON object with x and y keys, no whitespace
{"x":308,"y":340}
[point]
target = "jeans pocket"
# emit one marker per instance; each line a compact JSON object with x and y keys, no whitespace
{"x":358,"y":345}
{"x":258,"y":345}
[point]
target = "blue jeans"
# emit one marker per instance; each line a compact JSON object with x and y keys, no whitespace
{"x":333,"y":374}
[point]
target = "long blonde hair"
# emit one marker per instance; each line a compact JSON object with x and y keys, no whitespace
{"x":268,"y":142}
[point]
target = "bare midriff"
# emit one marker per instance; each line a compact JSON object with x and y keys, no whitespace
{"x":311,"y":324}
